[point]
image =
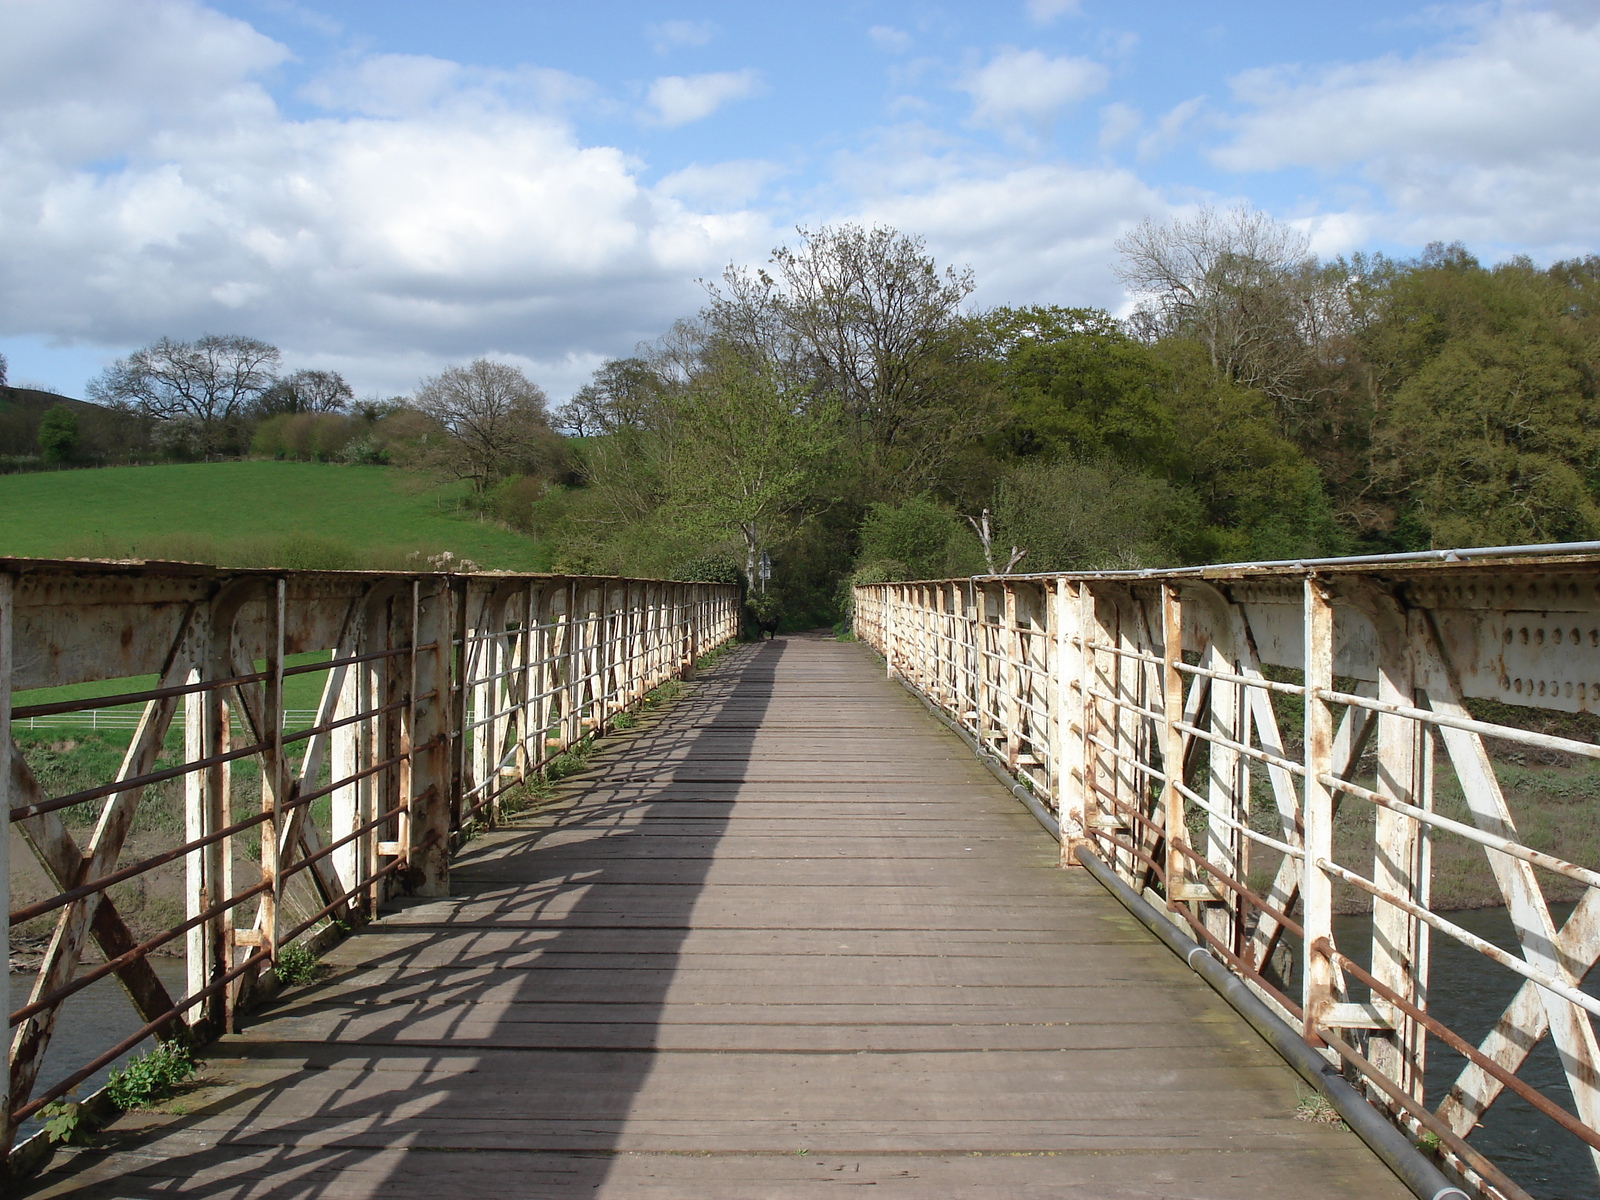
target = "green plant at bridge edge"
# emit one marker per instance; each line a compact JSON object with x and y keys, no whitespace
{"x":297,"y":964}
{"x":150,"y":1077}
{"x":63,"y":1122}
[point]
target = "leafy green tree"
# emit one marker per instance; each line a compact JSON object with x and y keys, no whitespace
{"x":58,"y":434}
{"x":742,"y":456}
{"x":918,"y":538}
{"x":1487,"y":426}
{"x":1076,"y":383}
{"x":1086,"y":516}
{"x":1497,"y":441}
{"x":625,"y":393}
{"x":864,"y":317}
{"x":1261,"y":497}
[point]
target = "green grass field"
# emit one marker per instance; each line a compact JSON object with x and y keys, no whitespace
{"x":287,"y":514}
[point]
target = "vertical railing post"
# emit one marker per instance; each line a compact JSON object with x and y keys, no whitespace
{"x":980,"y":664}
{"x":7,"y":615}
{"x":1069,"y":705}
{"x":215,"y":729}
{"x":1227,"y":791}
{"x":527,"y":680}
{"x":429,"y":713}
{"x":1172,"y":739}
{"x":344,"y":762}
{"x":888,"y":630}
{"x":456,"y":681}
{"x":971,"y":692}
{"x":1316,"y":891}
{"x":482,"y":661}
{"x":1011,"y":674}
{"x":275,"y":773}
{"x":1399,"y":940}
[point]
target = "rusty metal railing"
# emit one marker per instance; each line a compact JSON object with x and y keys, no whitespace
{"x":261,"y":823}
{"x":1253,"y":747}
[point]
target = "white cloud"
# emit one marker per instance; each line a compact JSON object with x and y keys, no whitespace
{"x":1039,"y":234}
{"x":1170,"y":127}
{"x":680,"y":99}
{"x":1033,"y":235}
{"x":310,"y":18}
{"x":149,"y":186}
{"x":1489,"y":138}
{"x":386,"y":85}
{"x":1029,"y":85}
{"x":1117,"y":122}
{"x":79,"y":81}
{"x":1042,"y":12}
{"x":719,"y":186}
{"x":398,"y":85}
{"x":886,"y":37}
{"x":668,"y":36}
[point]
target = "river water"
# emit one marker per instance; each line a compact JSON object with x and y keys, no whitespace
{"x":91,"y":1022}
{"x":1468,"y":993}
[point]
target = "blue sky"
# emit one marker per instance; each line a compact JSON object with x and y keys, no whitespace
{"x":385,"y":188}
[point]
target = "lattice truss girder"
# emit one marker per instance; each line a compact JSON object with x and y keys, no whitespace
{"x":407,"y":659}
{"x":1080,"y":666}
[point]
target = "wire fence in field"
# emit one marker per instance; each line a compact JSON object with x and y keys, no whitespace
{"x":128,"y":718}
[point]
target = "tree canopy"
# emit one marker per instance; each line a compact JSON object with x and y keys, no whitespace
{"x":846,"y":410}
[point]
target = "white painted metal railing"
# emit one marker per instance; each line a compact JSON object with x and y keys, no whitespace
{"x":439,"y":695}
{"x":1203,"y":730}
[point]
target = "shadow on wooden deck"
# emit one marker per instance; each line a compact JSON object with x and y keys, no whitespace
{"x":519,"y":1015}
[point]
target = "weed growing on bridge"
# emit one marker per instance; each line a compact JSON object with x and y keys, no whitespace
{"x":1315,"y":1108}
{"x":63,"y":1122}
{"x":297,"y":964}
{"x":150,"y":1077}
{"x":570,"y":761}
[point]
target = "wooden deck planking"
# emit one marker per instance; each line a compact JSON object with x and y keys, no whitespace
{"x":791,"y":937}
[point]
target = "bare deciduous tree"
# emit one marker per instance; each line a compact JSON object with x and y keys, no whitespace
{"x":207,"y":382}
{"x":1245,"y":286}
{"x":494,"y":417}
{"x":306,"y":392}
{"x":624,"y":394}
{"x":866,"y":316}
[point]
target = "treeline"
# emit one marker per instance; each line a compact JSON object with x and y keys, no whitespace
{"x":844,"y":412}
{"x":222,"y":397}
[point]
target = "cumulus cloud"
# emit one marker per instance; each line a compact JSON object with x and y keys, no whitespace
{"x":150,"y":186}
{"x":1037,"y":234}
{"x":887,"y":37}
{"x":1117,"y":122}
{"x":1042,"y":12}
{"x":1489,"y":137}
{"x":680,"y":99}
{"x":399,"y":85}
{"x":1170,"y":127}
{"x":722,"y":185}
{"x":667,"y":36}
{"x":1029,"y":85}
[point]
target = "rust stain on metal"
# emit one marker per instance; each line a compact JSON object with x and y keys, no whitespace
{"x":417,"y":741}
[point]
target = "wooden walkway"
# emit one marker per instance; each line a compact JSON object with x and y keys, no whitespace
{"x":789,"y":938}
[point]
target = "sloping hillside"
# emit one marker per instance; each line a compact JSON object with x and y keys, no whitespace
{"x":250,"y":514}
